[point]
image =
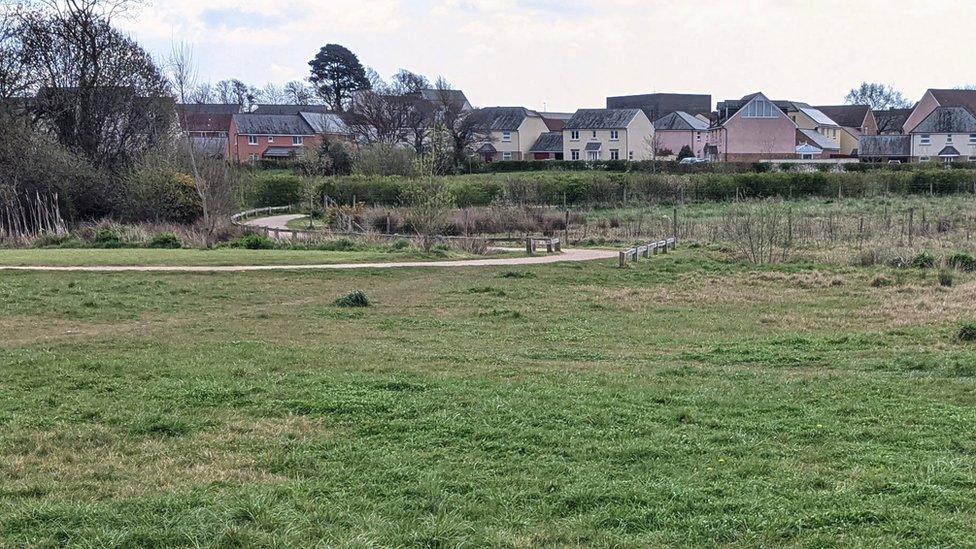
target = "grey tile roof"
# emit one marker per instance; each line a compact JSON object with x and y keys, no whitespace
{"x":487,"y":148}
{"x":885,"y":146}
{"x":948,"y":120}
{"x":213,"y":147}
{"x":272,"y":124}
{"x":956,"y":98}
{"x":290,"y":109}
{"x":326,"y":123}
{"x":279,"y":152}
{"x":816,"y":138}
{"x":594,"y":146}
{"x":548,"y":142}
{"x":501,"y":119}
{"x":601,"y":119}
{"x":850,"y":116}
{"x":680,"y":120}
{"x":435,"y":96}
{"x":949,"y":151}
{"x":209,"y":108}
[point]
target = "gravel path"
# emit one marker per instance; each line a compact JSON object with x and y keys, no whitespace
{"x":281,"y":222}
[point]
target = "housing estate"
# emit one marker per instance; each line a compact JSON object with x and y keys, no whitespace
{"x":751,"y":129}
{"x":510,"y":132}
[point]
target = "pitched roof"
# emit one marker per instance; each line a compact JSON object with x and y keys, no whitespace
{"x":205,"y":122}
{"x":818,"y":116}
{"x":279,"y":152}
{"x":601,"y":119}
{"x":850,"y":116}
{"x":885,"y":146}
{"x":290,"y":109}
{"x":208,"y":108}
{"x":679,"y":120}
{"x":806,"y":148}
{"x":487,"y":148}
{"x":594,"y":146}
{"x":326,"y":123}
{"x":549,"y":142}
{"x":956,"y":98}
{"x":816,"y":138}
{"x":435,"y":96}
{"x":499,"y":119}
{"x":948,"y":120}
{"x":892,"y":120}
{"x":555,"y":121}
{"x":213,"y":147}
{"x":272,"y":124}
{"x":949,"y":151}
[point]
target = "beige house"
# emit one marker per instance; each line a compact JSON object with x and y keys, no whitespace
{"x":854,"y":121}
{"x":511,"y":132}
{"x":608,"y":134}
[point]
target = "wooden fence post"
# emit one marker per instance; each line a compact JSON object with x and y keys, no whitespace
{"x":623,"y":259}
{"x":528,"y":246}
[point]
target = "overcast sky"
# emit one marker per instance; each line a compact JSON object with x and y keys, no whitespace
{"x":567,"y":54}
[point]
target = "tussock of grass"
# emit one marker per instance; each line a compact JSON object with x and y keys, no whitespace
{"x":356,"y":299}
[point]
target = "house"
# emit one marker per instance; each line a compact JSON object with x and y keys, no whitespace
{"x":549,"y":146}
{"x":809,"y":121}
{"x":208,"y":126}
{"x":942,"y":126}
{"x":441,"y":98}
{"x":510,"y":132}
{"x":657,"y":105}
{"x":673,"y":131}
{"x":812,"y":144}
{"x":608,"y":134}
{"x":256,"y":137}
{"x":556,"y":121}
{"x":854,"y":121}
{"x":885,"y":148}
{"x":751,"y":129}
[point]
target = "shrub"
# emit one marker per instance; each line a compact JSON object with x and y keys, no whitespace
{"x":355,"y":299}
{"x":107,"y":238}
{"x":156,"y":192}
{"x":967,"y":332}
{"x":962,"y":262}
{"x":165,"y":241}
{"x":253,"y":242}
{"x":272,"y":190}
{"x":923,"y":260}
{"x":945,"y":279}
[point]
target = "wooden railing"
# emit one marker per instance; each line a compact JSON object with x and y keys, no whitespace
{"x":238,"y":218}
{"x":647,"y":250}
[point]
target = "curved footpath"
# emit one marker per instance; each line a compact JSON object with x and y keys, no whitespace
{"x":281,"y":221}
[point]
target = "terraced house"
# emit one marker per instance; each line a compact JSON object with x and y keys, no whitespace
{"x":255,"y":137}
{"x":608,"y":134}
{"x":943,"y":127}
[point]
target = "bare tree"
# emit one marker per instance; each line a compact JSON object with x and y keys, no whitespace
{"x":428,"y":206}
{"x":462,"y":126}
{"x":210,"y":179}
{"x":298,"y":93}
{"x":15,"y":79}
{"x":272,"y":94}
{"x":879,"y":97}
{"x":203,"y":93}
{"x":379,"y":118}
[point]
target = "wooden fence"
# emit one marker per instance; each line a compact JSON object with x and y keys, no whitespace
{"x":647,"y":250}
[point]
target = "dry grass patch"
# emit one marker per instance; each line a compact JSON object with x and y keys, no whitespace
{"x":919,"y":305}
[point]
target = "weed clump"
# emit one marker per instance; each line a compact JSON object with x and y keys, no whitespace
{"x":967,"y":332}
{"x":881,"y":281}
{"x":253,"y":242}
{"x":355,"y":299}
{"x":945,"y":279}
{"x":923,"y":260}
{"x":167,"y":241}
{"x":516,"y":275}
{"x":962,"y":262}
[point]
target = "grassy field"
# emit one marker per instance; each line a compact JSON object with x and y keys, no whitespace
{"x":689,"y":400}
{"x":216,"y":257}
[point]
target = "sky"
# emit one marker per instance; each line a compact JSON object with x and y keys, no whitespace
{"x":561,"y":55}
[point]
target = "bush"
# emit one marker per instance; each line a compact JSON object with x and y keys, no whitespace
{"x":272,"y":190}
{"x":967,"y":332}
{"x":156,"y":192}
{"x":381,"y":160}
{"x":107,"y":238}
{"x":923,"y":260}
{"x":253,"y":242}
{"x":355,"y":299}
{"x":962,"y":262}
{"x":165,"y":241}
{"x":945,"y":279}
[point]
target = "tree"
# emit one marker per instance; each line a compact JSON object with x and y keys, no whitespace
{"x":462,"y":127}
{"x":428,"y":206}
{"x":272,"y":94}
{"x":98,"y":92}
{"x":879,"y":97}
{"x":15,"y":79}
{"x":379,"y":118}
{"x":337,"y":73}
{"x":406,"y":82}
{"x":235,"y":92}
{"x":298,"y":93}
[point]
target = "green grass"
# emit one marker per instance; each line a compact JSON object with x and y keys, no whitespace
{"x":216,"y":257}
{"x":685,"y":401}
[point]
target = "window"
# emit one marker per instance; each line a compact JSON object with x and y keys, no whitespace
{"x":924,"y":159}
{"x":252,"y":140}
{"x":270,"y":139}
{"x":948,"y":140}
{"x":574,"y":154}
{"x":698,"y":136}
{"x":594,"y":134}
{"x":506,"y":156}
{"x":926,"y":140}
{"x":760,"y":108}
{"x":614,"y":154}
{"x":574,"y":135}
{"x":972,"y":139}
{"x":507,"y":137}
{"x":593,"y":155}
{"x":972,"y":158}
{"x":614,"y":135}
{"x":298,"y":141}
{"x":630,"y":155}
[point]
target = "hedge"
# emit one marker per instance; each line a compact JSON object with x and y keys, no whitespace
{"x":611,"y":187}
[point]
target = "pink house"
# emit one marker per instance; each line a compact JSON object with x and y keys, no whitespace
{"x":751,"y":129}
{"x":674,"y":131}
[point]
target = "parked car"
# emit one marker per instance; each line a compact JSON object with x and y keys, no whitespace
{"x":693,"y":160}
